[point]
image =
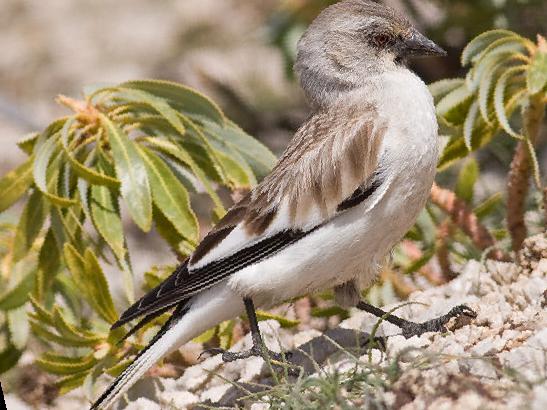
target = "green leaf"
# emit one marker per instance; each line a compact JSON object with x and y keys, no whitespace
{"x":441,"y":88}
{"x":9,"y":358}
{"x":284,"y":322}
{"x":225,"y":333}
{"x":131,"y":171}
{"x":182,"y":173}
{"x":454,"y":151}
{"x":44,"y":153}
{"x":15,"y":183}
{"x":181,"y":98}
{"x":107,"y":220}
{"x":65,"y":226}
{"x":469,"y":124}
{"x":78,"y":337}
{"x":183,"y":156}
{"x":85,"y":172}
{"x":69,"y":383}
{"x":170,"y":196}
{"x":119,"y":367}
{"x":467,"y":179}
{"x":83,"y":192}
{"x":19,"y":294}
{"x":65,"y":365}
{"x":537,"y":73}
{"x":197,"y":135}
{"x":170,"y":234}
{"x":97,"y":284}
{"x":454,"y":106}
{"x":509,"y":45}
{"x":481,"y":42}
{"x":75,"y":340}
{"x":253,"y":152}
{"x":200,"y":154}
{"x":152,"y":124}
{"x":488,"y":206}
{"x":76,"y":266}
{"x":206,"y":336}
{"x":485,"y":90}
{"x":479,"y":70}
{"x":237,"y":173}
{"x":26,"y":144}
{"x":158,"y":104}
{"x":30,"y":224}
{"x":89,"y":278}
{"x":49,"y":261}
{"x":329,"y":312}
{"x":420,"y":262}
{"x":40,"y":314}
{"x":19,"y":328}
{"x":499,"y":99}
{"x":536,"y":173}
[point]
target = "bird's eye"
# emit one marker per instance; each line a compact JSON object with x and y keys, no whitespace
{"x":381,"y":40}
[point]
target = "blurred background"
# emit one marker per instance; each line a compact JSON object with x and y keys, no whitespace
{"x":239,"y":52}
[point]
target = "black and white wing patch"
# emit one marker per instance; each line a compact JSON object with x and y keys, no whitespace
{"x":182,"y":284}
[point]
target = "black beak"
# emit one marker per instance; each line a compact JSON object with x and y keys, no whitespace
{"x":419,"y":45}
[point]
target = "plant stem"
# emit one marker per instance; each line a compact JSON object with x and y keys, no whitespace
{"x":545,"y":205}
{"x":464,"y":218}
{"x":517,"y":189}
{"x":519,"y":173}
{"x":444,"y":232}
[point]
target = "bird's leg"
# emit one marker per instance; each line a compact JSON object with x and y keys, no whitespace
{"x":416,"y":329}
{"x":259,"y":348}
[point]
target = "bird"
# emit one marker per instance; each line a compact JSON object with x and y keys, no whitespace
{"x":349,"y":185}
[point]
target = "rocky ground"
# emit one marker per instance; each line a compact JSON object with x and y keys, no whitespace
{"x":496,"y":361}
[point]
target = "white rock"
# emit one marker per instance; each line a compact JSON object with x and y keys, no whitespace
{"x":398,"y":344}
{"x":488,"y":346}
{"x":178,"y":399}
{"x":215,"y":393}
{"x":251,"y":368}
{"x":143,"y":404}
{"x":196,"y":375}
{"x":529,"y":359}
{"x":305,"y":336}
{"x":541,"y":269}
{"x":539,"y":397}
{"x":15,"y":403}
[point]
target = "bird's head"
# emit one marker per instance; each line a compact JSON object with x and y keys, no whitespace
{"x":353,"y":40}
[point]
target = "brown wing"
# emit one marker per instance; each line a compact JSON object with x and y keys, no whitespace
{"x":331,"y":155}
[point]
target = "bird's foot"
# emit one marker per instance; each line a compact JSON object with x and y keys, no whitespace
{"x":255,"y":351}
{"x":411,"y":329}
{"x":277,"y":360}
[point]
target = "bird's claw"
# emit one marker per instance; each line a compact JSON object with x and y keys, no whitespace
{"x":411,"y":329}
{"x":257,"y":351}
{"x":211,"y":352}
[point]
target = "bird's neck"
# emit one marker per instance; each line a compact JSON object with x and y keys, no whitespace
{"x":325,"y":89}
